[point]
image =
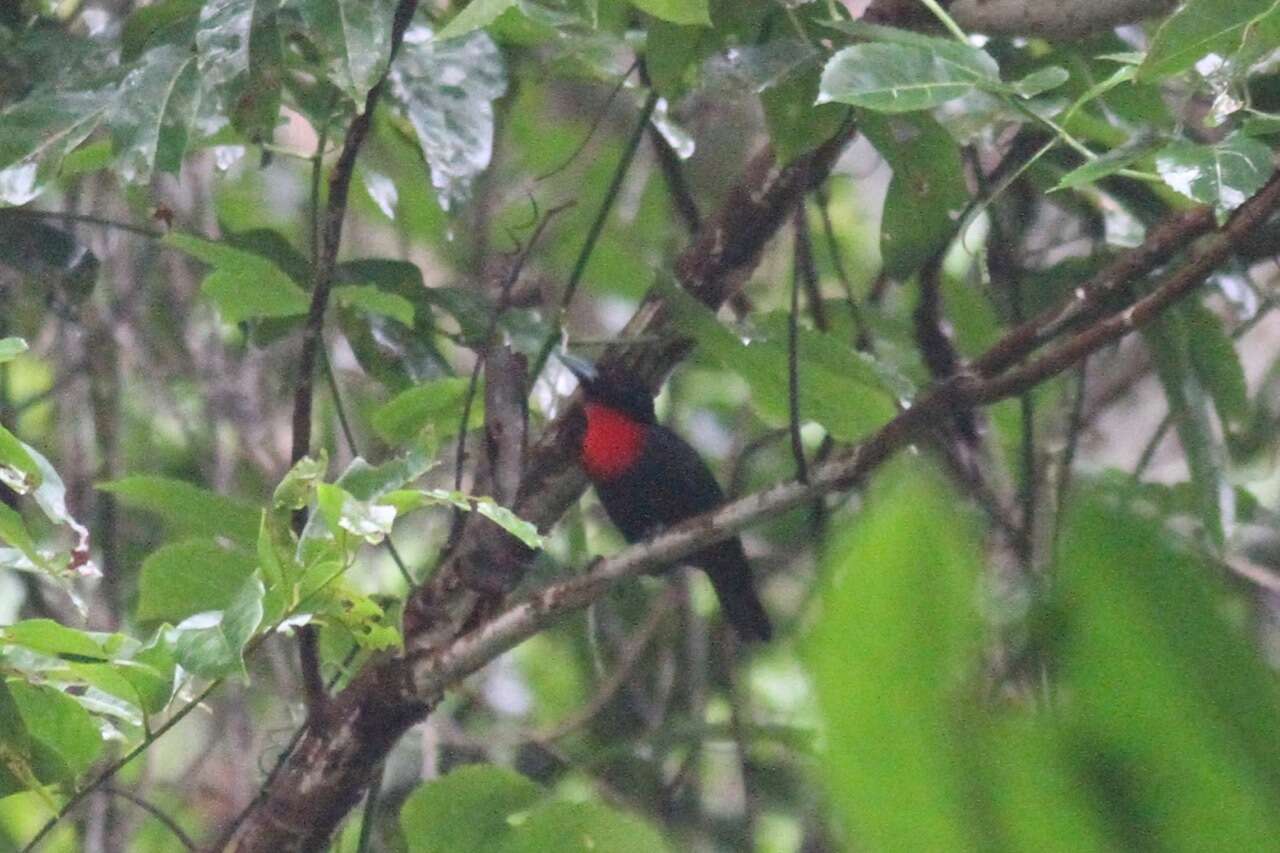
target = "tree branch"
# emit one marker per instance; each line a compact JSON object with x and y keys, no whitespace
{"x":1051,"y":19}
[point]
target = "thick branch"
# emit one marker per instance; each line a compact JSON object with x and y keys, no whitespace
{"x":1051,"y":19}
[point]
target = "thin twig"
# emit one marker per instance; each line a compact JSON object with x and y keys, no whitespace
{"x":354,"y":449}
{"x":807,"y":270}
{"x":793,"y":375}
{"x":332,"y":381}
{"x":595,"y":125}
{"x":1066,"y":468}
{"x":1006,"y":275}
{"x":619,"y":673}
{"x":610,"y":196}
{"x":681,"y":195}
{"x":862,"y":339}
{"x":155,"y":811}
{"x":596,"y":229}
{"x":111,"y":769}
{"x":86,"y":219}
{"x":369,"y":818}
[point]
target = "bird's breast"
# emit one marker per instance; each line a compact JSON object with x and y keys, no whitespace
{"x":612,"y":443}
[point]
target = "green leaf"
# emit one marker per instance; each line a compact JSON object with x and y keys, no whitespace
{"x":500,"y":515}
{"x":1265,"y":125}
{"x":477,"y":15}
{"x":140,"y":675}
{"x":367,"y":482}
{"x":1224,"y":175}
{"x":51,"y":497}
{"x":36,"y":133}
{"x":239,"y":61}
{"x":896,"y":642}
{"x":153,"y":112}
{"x":370,"y":627}
{"x":242,"y":284}
{"x":1041,"y":792}
{"x":927,"y":194}
{"x":437,"y":404}
{"x":1216,"y":363}
{"x":395,"y":354}
{"x":677,"y":11}
{"x":189,"y":577}
{"x":1166,"y":338}
{"x":1120,"y":157}
{"x":17,"y":772}
{"x":796,"y":125}
{"x":466,"y":809}
{"x":59,"y":724}
{"x":368,"y":520}
{"x":900,"y":78}
{"x":407,"y":500}
{"x":18,"y":470}
{"x":52,"y":638}
{"x":296,"y":487}
{"x":155,"y":20}
{"x":581,"y":828}
{"x":1199,"y":28}
{"x":13,"y":530}
{"x":187,"y":508}
{"x":150,"y":672}
{"x":849,"y":402}
{"x":355,"y":38}
{"x":372,"y":300}
{"x":1163,"y":678}
{"x":669,"y":50}
{"x":211,"y":644}
{"x":1041,"y":81}
{"x":446,"y":90}
{"x":11,"y":348}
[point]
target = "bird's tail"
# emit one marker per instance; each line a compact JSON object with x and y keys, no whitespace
{"x":726,"y":566}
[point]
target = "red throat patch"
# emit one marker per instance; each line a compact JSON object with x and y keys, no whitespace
{"x":612,"y":444}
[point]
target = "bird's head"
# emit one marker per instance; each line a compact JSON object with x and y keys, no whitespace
{"x":612,"y":386}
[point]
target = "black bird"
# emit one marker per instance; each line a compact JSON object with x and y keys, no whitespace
{"x":648,"y":478}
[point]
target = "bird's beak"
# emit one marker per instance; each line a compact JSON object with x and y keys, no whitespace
{"x":579,"y":367}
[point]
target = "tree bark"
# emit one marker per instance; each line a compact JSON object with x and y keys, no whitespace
{"x":1050,"y":19}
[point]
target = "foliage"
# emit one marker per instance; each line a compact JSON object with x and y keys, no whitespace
{"x":1016,"y":637}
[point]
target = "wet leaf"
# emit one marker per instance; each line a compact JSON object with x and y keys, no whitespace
{"x":153,"y":112}
{"x":1224,"y":175}
{"x":900,"y":78}
{"x":355,"y":38}
{"x":446,"y":90}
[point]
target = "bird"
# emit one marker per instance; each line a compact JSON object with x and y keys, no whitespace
{"x":649,"y":478}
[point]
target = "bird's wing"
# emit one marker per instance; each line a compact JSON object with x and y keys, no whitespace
{"x":681,"y":485}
